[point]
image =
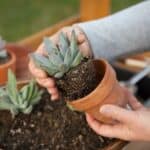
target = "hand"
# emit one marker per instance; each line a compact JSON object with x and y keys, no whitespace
{"x":131,"y":125}
{"x":41,"y":76}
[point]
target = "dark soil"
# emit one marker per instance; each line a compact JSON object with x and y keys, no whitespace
{"x":51,"y":126}
{"x":79,"y":81}
{"x":5,"y":60}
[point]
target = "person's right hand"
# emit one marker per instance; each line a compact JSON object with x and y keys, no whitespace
{"x":130,"y":124}
{"x":41,"y":76}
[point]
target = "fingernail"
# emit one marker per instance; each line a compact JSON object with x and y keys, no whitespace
{"x":53,"y":98}
{"x":81,"y":38}
{"x":105,"y":109}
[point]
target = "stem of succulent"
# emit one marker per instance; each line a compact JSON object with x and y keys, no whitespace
{"x":70,"y":107}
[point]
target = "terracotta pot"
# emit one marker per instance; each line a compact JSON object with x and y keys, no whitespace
{"x":22,"y":61}
{"x":107,"y":92}
{"x":11,"y":64}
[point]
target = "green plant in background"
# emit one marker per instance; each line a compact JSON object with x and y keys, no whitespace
{"x":3,"y":52}
{"x":26,"y":17}
{"x":21,"y":100}
{"x":60,"y":59}
{"x":117,"y":5}
{"x":36,"y":15}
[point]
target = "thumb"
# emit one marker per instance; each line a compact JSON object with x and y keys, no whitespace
{"x":117,"y":113}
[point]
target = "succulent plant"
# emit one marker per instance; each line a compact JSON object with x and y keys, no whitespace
{"x":21,"y":100}
{"x":61,"y":57}
{"x":3,"y":52}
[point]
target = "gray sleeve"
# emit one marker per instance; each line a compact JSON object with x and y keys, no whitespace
{"x":122,"y":33}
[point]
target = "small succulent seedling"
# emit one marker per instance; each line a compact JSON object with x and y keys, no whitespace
{"x":21,"y":100}
{"x":3,"y":52}
{"x":60,"y":58}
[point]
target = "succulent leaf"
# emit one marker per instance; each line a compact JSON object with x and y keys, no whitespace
{"x":19,"y":101}
{"x":24,"y":92}
{"x":64,"y":68}
{"x":73,"y":45}
{"x":50,"y":48}
{"x":27,"y":110}
{"x":35,"y":100}
{"x":12,"y":87}
{"x":67,"y":58}
{"x":14,"y":111}
{"x":59,"y":75}
{"x":24,"y":105}
{"x":27,"y":90}
{"x":40,"y":60}
{"x":77,"y":59}
{"x":44,"y":63}
{"x":63,"y":44}
{"x":49,"y":70}
{"x":2,"y":92}
{"x":56,"y":58}
{"x":60,"y":58}
{"x":4,"y":105}
{"x":48,"y":45}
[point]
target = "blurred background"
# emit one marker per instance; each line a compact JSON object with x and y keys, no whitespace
{"x":21,"y":18}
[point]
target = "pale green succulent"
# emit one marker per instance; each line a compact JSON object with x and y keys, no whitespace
{"x":60,"y":58}
{"x":3,"y":52}
{"x":21,"y":100}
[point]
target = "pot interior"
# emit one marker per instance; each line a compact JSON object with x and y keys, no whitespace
{"x":100,"y":68}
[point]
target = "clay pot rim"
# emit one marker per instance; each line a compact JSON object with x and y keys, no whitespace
{"x":75,"y":103}
{"x":11,"y":61}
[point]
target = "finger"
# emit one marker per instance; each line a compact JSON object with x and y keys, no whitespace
{"x":54,"y":97}
{"x":36,"y":72}
{"x":41,"y":50}
{"x":46,"y":82}
{"x":134,"y":103}
{"x":55,"y":38}
{"x":81,"y":38}
{"x":98,"y":127}
{"x":53,"y":90}
{"x":89,"y":118}
{"x":67,"y":31}
{"x":112,"y":131}
{"x":54,"y":93}
{"x":94,"y":124}
{"x":68,"y":34}
{"x":85,"y":50}
{"x":80,"y":34}
{"x":117,"y":113}
{"x":82,"y":42}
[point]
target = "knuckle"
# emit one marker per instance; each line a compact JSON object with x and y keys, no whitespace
{"x":64,"y":29}
{"x":31,"y":68}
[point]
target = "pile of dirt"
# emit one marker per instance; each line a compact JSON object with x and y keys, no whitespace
{"x":51,"y":126}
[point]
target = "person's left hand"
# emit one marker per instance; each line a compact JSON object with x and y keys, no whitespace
{"x":41,"y":76}
{"x":131,"y":125}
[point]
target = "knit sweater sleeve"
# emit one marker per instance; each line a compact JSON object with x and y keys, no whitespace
{"x":127,"y":31}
